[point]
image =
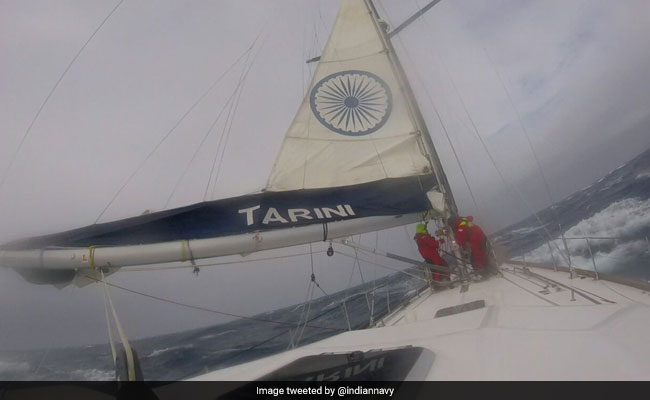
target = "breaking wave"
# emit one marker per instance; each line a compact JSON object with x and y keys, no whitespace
{"x":618,"y":237}
{"x":614,"y":213}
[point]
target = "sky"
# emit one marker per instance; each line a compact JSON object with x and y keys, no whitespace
{"x":563,"y":82}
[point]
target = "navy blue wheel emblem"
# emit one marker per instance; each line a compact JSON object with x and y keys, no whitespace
{"x":352,"y":103}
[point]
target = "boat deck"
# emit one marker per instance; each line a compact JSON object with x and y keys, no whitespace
{"x":536,"y":324}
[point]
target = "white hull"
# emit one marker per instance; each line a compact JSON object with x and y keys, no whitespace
{"x":522,"y":333}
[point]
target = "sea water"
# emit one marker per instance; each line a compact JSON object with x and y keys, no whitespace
{"x":617,"y":205}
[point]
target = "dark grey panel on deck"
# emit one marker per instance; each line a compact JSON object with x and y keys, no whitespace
{"x":461,"y":308}
{"x":373,"y":365}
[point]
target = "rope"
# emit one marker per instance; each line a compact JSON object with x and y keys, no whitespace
{"x":235,"y":355}
{"x":512,"y":188}
{"x":49,"y":95}
{"x":234,"y":100}
{"x":442,"y":124}
{"x":379,"y":265}
{"x":215,"y":264}
{"x":125,"y":342}
{"x":232,"y":120}
{"x":235,"y":106}
{"x":108,"y":323}
{"x":196,"y":152}
{"x":359,"y":264}
{"x":142,"y":164}
{"x":313,"y":277}
{"x":40,"y":364}
{"x":521,"y":123}
{"x":202,"y":308}
{"x":311,"y":297}
{"x":223,"y":132}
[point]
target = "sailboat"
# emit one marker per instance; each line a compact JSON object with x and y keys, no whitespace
{"x":358,"y":158}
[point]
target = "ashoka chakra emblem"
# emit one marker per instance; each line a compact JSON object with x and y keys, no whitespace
{"x":353,"y":103}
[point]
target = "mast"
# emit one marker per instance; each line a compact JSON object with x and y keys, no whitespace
{"x":425,"y":136}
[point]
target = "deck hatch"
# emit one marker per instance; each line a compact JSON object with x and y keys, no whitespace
{"x":461,"y":308}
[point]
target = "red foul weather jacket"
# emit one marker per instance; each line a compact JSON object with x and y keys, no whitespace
{"x":473,"y":235}
{"x":428,"y":247}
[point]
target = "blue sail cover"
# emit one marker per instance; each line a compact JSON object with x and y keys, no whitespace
{"x":250,"y":213}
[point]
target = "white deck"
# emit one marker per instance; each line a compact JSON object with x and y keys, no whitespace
{"x":521,"y":334}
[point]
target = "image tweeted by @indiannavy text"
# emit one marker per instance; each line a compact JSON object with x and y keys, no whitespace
{"x":327,"y":391}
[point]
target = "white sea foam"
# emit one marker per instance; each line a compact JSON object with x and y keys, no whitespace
{"x":217,"y":334}
{"x":92,"y":374}
{"x":166,"y":349}
{"x":624,"y":218}
{"x":13,"y":366}
{"x":643,"y":175}
{"x":526,"y":230}
{"x":627,"y":217}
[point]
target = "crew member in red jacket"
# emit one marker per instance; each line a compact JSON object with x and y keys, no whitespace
{"x":428,"y":247}
{"x":472,"y":238}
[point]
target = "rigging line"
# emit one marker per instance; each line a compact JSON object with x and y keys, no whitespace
{"x":381,"y":5}
{"x":223,"y":131}
{"x":232,"y":121}
{"x":604,"y":283}
{"x":108,"y":325}
{"x":493,"y":161}
{"x":311,"y":297}
{"x":313,"y":277}
{"x":239,"y":353}
{"x":420,"y":12}
{"x":515,"y":190}
{"x":235,"y":106}
{"x":235,"y":355}
{"x":359,"y":264}
{"x":521,"y":123}
{"x":302,"y":311}
{"x":308,"y":297}
{"x":530,"y":291}
{"x":383,"y":266}
{"x":225,"y":125}
{"x":120,"y":330}
{"x":354,"y":266}
{"x":40,"y":364}
{"x":200,"y":308}
{"x":442,"y":124}
{"x":214,"y":264}
{"x":510,"y":187}
{"x":207,"y":133}
{"x":49,"y":95}
{"x":310,"y":291}
{"x":409,"y":239}
{"x":317,"y":42}
{"x":189,"y":110}
{"x":302,"y":65}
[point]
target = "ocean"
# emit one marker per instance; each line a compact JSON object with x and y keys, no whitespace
{"x":615,"y":209}
{"x":182,"y":355}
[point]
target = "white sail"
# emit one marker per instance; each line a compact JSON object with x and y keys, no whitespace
{"x":353,"y":159}
{"x":354,"y":125}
